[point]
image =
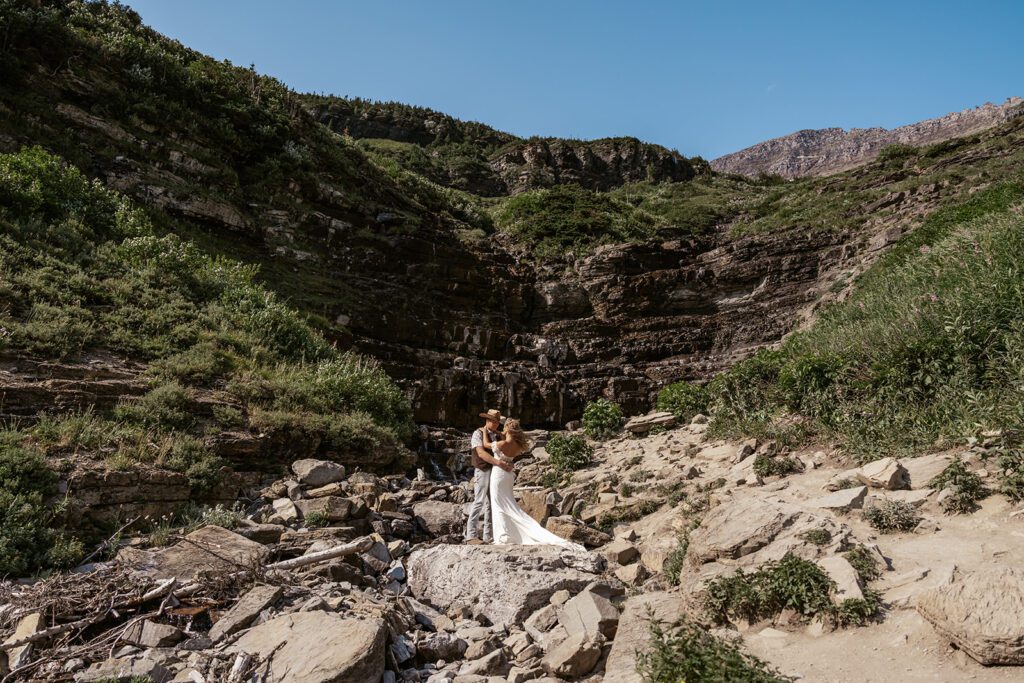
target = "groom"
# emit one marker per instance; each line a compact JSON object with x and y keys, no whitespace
{"x":483,"y":460}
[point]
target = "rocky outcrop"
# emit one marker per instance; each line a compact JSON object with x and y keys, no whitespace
{"x":318,"y":647}
{"x":830,"y":150}
{"x":981,"y":613}
{"x":634,"y":634}
{"x":503,"y":586}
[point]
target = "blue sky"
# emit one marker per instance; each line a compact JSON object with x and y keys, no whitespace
{"x":706,"y":78}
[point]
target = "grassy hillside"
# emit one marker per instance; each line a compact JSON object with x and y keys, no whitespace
{"x":83,"y":271}
{"x":928,"y":349}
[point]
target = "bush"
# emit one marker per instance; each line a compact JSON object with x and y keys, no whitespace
{"x":684,"y":400}
{"x":29,"y":539}
{"x":864,"y":563}
{"x":569,"y":452}
{"x":676,"y":560}
{"x":817,"y":536}
{"x":602,"y":419}
{"x":686,"y":651}
{"x":168,"y":405}
{"x":965,"y":486}
{"x":897,"y":151}
{"x":890,"y":516}
{"x":766,"y":466}
{"x":790,"y":583}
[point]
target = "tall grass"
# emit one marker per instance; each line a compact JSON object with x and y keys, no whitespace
{"x":929,"y":347}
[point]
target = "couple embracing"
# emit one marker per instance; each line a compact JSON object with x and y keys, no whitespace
{"x":494,"y":452}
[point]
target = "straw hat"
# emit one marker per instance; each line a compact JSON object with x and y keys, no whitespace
{"x":493,"y":415}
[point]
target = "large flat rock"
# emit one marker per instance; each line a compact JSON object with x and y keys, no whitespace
{"x":982,"y":613}
{"x":319,"y":647}
{"x":634,"y":633}
{"x":209,"y":550}
{"x":503,"y":583}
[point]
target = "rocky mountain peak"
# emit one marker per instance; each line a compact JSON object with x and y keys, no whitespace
{"x":831,"y":150}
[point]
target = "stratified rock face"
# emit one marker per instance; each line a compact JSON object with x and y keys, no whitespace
{"x":505,"y":584}
{"x":982,"y":613}
{"x":830,"y":150}
{"x":319,"y":647}
{"x":594,"y":164}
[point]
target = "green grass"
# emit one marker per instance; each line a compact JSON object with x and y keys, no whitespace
{"x":928,"y":347}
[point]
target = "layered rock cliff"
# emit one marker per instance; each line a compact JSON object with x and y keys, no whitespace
{"x":830,"y":150}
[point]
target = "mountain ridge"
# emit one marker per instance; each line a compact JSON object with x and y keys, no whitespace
{"x":824,"y":151}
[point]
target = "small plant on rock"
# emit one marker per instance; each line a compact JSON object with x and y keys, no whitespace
{"x":602,"y":419}
{"x":673,"y":566}
{"x":892,"y":515}
{"x":792,"y":583}
{"x":316,"y":519}
{"x":686,"y":651}
{"x":765,"y":466}
{"x":864,"y":563}
{"x":965,"y":486}
{"x":569,"y":452}
{"x":817,"y":536}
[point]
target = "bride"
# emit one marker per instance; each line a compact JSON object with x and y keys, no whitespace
{"x":512,"y":526}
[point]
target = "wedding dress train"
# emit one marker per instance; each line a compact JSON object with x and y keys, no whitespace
{"x":512,"y":526}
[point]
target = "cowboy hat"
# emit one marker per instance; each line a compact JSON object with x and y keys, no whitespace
{"x":493,"y":415}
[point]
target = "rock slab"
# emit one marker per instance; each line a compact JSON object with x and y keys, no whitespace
{"x":506,"y":584}
{"x":634,"y":634}
{"x":319,"y":647}
{"x":982,"y":613}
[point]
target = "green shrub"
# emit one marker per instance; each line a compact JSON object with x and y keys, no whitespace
{"x":858,"y":611}
{"x":817,"y":536}
{"x":767,"y":466}
{"x":676,"y":560}
{"x":864,"y":563}
{"x":897,"y":151}
{"x":684,"y":400}
{"x":687,"y":652}
{"x":889,"y":516}
{"x":1010,"y":473}
{"x":30,"y":539}
{"x":167,"y":405}
{"x":316,"y":518}
{"x":790,"y":583}
{"x":966,"y":488}
{"x":602,"y":419}
{"x":569,"y":452}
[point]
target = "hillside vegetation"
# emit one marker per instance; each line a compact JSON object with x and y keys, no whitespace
{"x":83,"y":271}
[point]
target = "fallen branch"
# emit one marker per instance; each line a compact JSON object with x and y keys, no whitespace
{"x":360,"y":546}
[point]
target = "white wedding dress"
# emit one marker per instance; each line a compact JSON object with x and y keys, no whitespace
{"x":512,"y":526}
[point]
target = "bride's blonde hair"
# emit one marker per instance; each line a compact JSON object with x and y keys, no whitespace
{"x":515,"y":433}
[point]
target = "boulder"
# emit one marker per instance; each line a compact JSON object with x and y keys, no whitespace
{"x":575,"y":656}
{"x":505,"y":584}
{"x":571,"y":529}
{"x":845,"y":577}
{"x":313,"y":473}
{"x":284,"y":511}
{"x":843,"y":500}
{"x":318,"y":647}
{"x":440,"y":518}
{"x":151,"y":634}
{"x":748,"y":530}
{"x":589,"y":613}
{"x":446,"y":646}
{"x":620,"y":551}
{"x":332,"y":508}
{"x":632,"y":574}
{"x":642,"y":424}
{"x":125,"y":670}
{"x":886,"y":473}
{"x":493,"y":664}
{"x":922,"y":469}
{"x":245,"y":611}
{"x":332,"y":489}
{"x":209,"y":550}
{"x":535,"y":504}
{"x":634,"y":633}
{"x":27,"y":626}
{"x":981,"y":613}
{"x":745,"y":450}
